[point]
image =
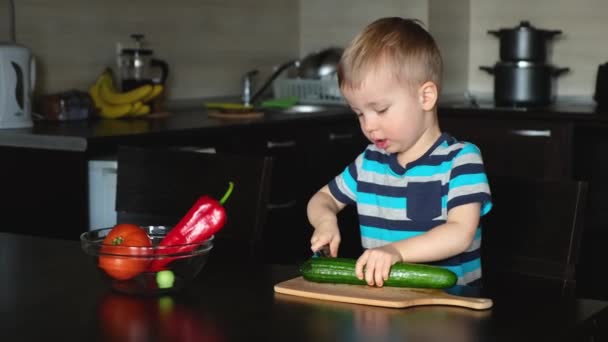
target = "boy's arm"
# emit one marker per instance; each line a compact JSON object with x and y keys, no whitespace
{"x":322,"y":213}
{"x":443,"y":241}
{"x":451,"y":238}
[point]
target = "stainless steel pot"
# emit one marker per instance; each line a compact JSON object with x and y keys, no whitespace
{"x":524,"y":83}
{"x":524,"y":42}
{"x":321,"y":64}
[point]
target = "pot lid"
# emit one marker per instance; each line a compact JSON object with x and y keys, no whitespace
{"x":137,"y":50}
{"x":145,"y":52}
{"x":525,"y":64}
{"x":525,"y":25}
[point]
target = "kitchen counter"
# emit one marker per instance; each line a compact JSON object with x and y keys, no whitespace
{"x":182,"y":117}
{"x":578,"y":111}
{"x":186,"y":117}
{"x":51,"y":291}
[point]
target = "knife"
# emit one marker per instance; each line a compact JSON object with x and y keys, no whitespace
{"x":322,"y":252}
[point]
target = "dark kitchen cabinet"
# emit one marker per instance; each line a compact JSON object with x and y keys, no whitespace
{"x":512,"y":147}
{"x":306,"y":155}
{"x":331,"y":149}
{"x":285,"y":234}
{"x":305,"y":158}
{"x":549,"y":148}
{"x":592,"y":166}
{"x":44,"y":192}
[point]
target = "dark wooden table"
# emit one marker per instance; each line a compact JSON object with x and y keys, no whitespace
{"x":50,"y":290}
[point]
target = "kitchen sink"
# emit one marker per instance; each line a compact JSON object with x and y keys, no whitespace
{"x":309,"y":109}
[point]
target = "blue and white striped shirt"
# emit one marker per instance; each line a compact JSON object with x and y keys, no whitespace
{"x":396,"y":203}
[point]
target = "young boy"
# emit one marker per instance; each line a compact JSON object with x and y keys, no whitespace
{"x":419,"y":192}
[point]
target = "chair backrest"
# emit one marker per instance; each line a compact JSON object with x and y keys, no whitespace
{"x":157,"y":186}
{"x":534,"y":229}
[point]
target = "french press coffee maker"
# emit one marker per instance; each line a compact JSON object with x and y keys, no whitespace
{"x":137,"y":66}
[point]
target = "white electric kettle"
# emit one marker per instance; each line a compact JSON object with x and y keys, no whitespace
{"x":17,"y":80}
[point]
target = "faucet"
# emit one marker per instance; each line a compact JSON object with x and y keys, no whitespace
{"x":248,"y":99}
{"x":247,"y":82}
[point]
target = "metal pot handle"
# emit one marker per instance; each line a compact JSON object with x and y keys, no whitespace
{"x":164,"y":67}
{"x":559,"y":71}
{"x":489,"y":70}
{"x":496,"y":33}
{"x":551,"y":33}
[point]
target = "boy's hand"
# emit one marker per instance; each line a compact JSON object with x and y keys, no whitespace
{"x":377,"y":264}
{"x":326,"y":233}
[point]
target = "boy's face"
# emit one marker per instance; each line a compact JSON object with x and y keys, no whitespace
{"x":392,"y":115}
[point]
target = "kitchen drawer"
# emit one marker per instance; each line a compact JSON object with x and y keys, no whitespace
{"x":283,"y":148}
{"x":328,"y":151}
{"x":525,"y":148}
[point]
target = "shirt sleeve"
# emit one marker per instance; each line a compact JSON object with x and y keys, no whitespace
{"x":468,"y":180}
{"x":344,"y":186}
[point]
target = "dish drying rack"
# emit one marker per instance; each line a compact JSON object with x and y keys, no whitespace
{"x":309,"y":91}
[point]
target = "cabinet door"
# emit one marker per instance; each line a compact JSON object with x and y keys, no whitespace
{"x":525,"y":148}
{"x":283,"y":147}
{"x":329,"y":150}
{"x":285,"y":236}
{"x":44,"y":192}
{"x":592,"y":166}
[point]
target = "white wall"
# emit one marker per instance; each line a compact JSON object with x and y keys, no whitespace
{"x":211,"y":43}
{"x":208,"y":44}
{"x":460,"y":28}
{"x":581,"y":47}
{"x":322,"y":25}
{"x":449,"y":25}
{"x":326,"y":23}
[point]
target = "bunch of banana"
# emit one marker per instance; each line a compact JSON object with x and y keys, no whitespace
{"x":114,"y":104}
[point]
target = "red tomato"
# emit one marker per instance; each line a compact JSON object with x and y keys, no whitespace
{"x":119,"y":267}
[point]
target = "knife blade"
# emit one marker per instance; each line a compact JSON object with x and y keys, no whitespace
{"x":322,"y":252}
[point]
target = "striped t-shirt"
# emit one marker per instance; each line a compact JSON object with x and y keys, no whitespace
{"x":396,"y":203}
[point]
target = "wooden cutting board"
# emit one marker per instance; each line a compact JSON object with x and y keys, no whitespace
{"x":393,"y":297}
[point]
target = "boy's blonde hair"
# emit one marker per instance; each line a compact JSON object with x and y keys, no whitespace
{"x":402,"y":45}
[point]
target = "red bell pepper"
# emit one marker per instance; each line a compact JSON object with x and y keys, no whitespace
{"x":205,"y":218}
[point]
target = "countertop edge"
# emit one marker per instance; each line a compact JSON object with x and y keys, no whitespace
{"x":47,"y":142}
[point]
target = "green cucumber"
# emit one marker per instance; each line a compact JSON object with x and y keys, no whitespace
{"x":342,"y":271}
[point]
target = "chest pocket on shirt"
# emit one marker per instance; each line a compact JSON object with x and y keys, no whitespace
{"x":423,"y":200}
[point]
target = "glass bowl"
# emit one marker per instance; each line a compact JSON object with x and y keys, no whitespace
{"x":158,"y":269}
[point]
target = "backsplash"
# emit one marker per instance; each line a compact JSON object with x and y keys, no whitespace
{"x":581,"y":47}
{"x":322,"y":24}
{"x":209,"y":44}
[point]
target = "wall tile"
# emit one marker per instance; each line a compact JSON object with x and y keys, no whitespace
{"x":208,"y":44}
{"x":581,"y":47}
{"x":449,"y":25}
{"x":211,"y":43}
{"x":336,"y":22}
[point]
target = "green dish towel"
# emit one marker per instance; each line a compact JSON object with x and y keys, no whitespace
{"x":285,"y":102}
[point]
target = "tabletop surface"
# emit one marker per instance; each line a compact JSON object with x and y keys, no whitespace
{"x":50,"y":290}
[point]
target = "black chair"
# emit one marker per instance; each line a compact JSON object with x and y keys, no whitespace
{"x":533,"y":231}
{"x":157,"y":186}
